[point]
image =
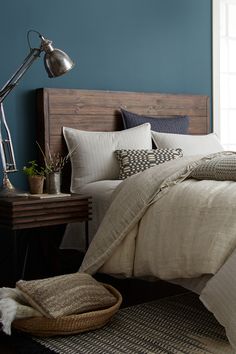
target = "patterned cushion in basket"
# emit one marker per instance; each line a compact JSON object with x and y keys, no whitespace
{"x":66,"y":294}
{"x":220,"y":168}
{"x":134,"y":161}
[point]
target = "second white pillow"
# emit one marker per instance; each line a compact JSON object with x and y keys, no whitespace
{"x":189,"y":144}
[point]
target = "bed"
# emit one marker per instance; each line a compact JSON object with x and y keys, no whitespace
{"x":99,"y":111}
{"x":89,"y":110}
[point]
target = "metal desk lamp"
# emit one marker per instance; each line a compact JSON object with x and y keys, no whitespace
{"x":56,"y":63}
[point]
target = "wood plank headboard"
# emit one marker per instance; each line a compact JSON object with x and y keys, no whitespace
{"x":99,"y":111}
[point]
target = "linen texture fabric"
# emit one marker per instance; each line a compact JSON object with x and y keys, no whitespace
{"x":66,"y":294}
{"x":202,"y":219}
{"x":219,"y":169}
{"x":175,"y":125}
{"x":191,"y":145}
{"x":93,"y":156}
{"x":199,"y":240}
{"x":134,"y":161}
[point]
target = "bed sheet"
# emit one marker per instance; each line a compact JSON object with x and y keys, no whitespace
{"x":101,"y":193}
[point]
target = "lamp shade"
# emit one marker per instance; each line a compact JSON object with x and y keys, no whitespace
{"x":57,"y":62}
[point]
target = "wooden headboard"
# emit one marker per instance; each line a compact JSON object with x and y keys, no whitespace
{"x":99,"y":111}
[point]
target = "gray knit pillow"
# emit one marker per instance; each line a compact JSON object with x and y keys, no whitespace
{"x":219,"y":168}
{"x":134,"y":161}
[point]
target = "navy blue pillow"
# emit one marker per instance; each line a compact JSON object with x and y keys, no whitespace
{"x":175,"y":125}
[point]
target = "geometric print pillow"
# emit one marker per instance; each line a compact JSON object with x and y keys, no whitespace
{"x":222,"y":168}
{"x":134,"y":161}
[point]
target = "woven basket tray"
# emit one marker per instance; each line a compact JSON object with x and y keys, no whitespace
{"x":42,"y":326}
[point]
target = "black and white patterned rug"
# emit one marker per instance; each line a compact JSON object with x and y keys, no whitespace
{"x":178,"y":324}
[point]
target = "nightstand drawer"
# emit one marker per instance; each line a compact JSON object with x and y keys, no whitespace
{"x":22,"y":213}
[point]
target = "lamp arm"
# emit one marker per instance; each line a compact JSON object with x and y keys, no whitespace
{"x":12,"y":82}
{"x":56,"y":63}
{"x":6,"y":146}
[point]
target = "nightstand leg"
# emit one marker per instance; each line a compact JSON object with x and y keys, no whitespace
{"x":15,"y":255}
{"x":86,"y":235}
{"x":19,"y":267}
{"x":25,"y":260}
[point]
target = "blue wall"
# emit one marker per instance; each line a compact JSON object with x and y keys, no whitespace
{"x":133,"y":45}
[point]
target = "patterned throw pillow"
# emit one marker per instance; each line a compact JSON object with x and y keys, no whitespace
{"x":134,"y":161}
{"x":221,"y":168}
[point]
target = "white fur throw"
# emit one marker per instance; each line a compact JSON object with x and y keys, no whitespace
{"x":13,"y":306}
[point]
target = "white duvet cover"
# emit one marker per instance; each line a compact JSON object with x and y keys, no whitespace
{"x":161,"y":224}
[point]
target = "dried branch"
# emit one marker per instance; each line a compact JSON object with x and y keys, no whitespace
{"x":55,"y":162}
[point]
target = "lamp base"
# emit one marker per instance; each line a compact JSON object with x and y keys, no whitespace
{"x":9,"y":191}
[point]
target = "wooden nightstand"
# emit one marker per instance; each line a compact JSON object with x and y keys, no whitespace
{"x":27,"y":213}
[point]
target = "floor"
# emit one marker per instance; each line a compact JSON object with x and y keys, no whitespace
{"x":63,"y":262}
{"x":133,"y":292}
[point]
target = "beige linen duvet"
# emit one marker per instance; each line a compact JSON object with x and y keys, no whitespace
{"x":163,"y":224}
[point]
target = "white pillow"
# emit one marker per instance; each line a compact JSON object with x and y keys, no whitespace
{"x":189,"y":144}
{"x":94,"y":159}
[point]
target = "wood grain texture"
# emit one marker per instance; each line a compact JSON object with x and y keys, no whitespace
{"x":99,"y":111}
{"x":23,"y":213}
